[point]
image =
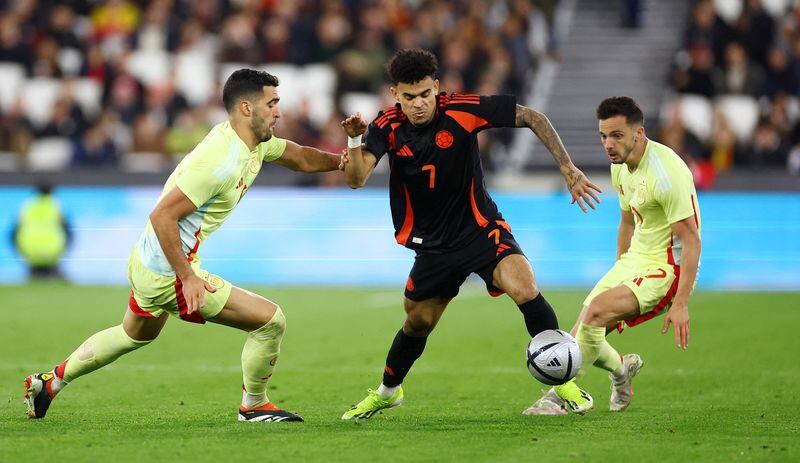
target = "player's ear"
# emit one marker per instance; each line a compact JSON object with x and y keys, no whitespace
{"x":393,"y":90}
{"x":244,"y":107}
{"x":436,"y":86}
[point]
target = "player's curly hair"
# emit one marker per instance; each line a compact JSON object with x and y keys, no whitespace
{"x":244,"y":83}
{"x":412,"y":65}
{"x":621,"y":106}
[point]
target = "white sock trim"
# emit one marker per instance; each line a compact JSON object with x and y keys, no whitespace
{"x":386,"y":392}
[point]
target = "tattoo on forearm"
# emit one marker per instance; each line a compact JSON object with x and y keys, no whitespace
{"x":540,"y":125}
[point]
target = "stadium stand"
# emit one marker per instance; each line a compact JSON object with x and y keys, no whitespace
{"x":133,"y":85}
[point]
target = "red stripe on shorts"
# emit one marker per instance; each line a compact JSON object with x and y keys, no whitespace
{"x":666,"y":300}
{"x":136,"y":309}
{"x":183,"y":308}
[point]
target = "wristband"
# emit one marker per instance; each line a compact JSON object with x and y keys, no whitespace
{"x":354,"y":142}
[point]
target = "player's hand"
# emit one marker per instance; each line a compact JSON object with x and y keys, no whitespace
{"x":354,"y":125}
{"x":678,"y":315}
{"x":194,"y":289}
{"x":580,"y":187}
{"x":343,"y":160}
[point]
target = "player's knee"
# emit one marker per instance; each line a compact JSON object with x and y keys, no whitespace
{"x":418,"y":325}
{"x":278,"y":321}
{"x":598,"y":313}
{"x":524,"y":293}
{"x":273,"y":329}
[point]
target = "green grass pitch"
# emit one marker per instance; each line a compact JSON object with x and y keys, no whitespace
{"x":731,"y":397}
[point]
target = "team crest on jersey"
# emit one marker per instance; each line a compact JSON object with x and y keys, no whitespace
{"x":444,"y":139}
{"x":254,"y":164}
{"x":641,"y":193}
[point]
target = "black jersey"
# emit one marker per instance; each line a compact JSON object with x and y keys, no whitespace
{"x":437,"y":193}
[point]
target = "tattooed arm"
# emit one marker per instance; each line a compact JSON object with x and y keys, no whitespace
{"x":578,"y":183}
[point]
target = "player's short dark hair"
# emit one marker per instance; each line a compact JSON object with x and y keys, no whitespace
{"x":412,"y":65}
{"x":244,"y":83}
{"x":621,"y":106}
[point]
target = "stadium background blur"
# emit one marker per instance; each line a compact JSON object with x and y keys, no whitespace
{"x":114,"y":93}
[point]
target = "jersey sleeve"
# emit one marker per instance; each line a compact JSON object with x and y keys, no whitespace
{"x":203,"y":176}
{"x":272,"y":149}
{"x":376,"y":141}
{"x":675,"y":196}
{"x":476,"y":113}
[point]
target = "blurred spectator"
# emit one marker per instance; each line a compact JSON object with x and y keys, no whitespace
{"x":189,"y":129}
{"x":706,"y":26}
{"x":737,"y":75}
{"x":97,"y":147}
{"x":756,"y":29}
{"x":769,"y":148}
{"x":15,"y":132}
{"x":782,"y":76}
{"x":67,"y":120}
{"x":693,"y":74}
{"x":12,"y":47}
{"x":41,"y":234}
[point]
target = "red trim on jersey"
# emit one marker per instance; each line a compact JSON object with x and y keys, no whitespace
{"x":670,"y":258}
{"x":183,"y":308}
{"x":641,"y":219}
{"x":136,"y":309}
{"x":410,"y":285}
{"x":504,"y":224}
{"x":408,"y":222}
{"x":482,"y":222}
{"x":197,"y":243}
{"x":468,"y":121}
{"x":666,"y":300}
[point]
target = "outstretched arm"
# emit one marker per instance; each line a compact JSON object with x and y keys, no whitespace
{"x":578,"y":184}
{"x":678,"y":314}
{"x":358,"y":163}
{"x":625,"y":232}
{"x":307,"y":159}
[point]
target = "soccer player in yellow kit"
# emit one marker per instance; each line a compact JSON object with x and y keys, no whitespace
{"x":658,"y":255}
{"x":164,"y":268}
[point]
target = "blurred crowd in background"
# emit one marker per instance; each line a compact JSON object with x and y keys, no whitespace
{"x":136,"y":84}
{"x":737,"y":83}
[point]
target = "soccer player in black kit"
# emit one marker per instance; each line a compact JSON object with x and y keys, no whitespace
{"x":441,"y":209}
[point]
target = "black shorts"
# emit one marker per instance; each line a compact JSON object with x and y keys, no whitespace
{"x":441,"y":275}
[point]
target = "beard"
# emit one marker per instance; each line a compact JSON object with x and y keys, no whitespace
{"x":261,"y":128}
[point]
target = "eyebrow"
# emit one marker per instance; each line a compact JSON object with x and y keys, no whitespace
{"x":274,"y":100}
{"x":406,"y":94}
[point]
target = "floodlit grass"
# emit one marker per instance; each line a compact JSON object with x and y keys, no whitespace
{"x":731,"y":397}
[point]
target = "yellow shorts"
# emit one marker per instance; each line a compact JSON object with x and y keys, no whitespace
{"x":654,"y":284}
{"x":152,"y":293}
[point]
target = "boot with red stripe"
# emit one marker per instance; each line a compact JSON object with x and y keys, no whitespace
{"x":40,"y":389}
{"x":267,"y":413}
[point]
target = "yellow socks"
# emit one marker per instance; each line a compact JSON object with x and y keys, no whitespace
{"x":98,"y":351}
{"x":259,"y":356}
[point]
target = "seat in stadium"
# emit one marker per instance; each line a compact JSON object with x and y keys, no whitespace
{"x":697,"y":115}
{"x":38,"y":97}
{"x":12,"y":76}
{"x":151,"y":67}
{"x":741,"y":112}
{"x":88,"y":93}
{"x":194,"y":76}
{"x":365,"y":103}
{"x":50,"y":154}
{"x":322,"y":78}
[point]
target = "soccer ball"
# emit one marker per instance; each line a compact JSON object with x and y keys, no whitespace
{"x":553,"y":357}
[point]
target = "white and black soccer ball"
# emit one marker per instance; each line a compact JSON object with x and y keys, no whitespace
{"x":553,"y":357}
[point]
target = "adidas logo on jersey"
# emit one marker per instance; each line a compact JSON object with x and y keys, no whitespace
{"x":405,"y":152}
